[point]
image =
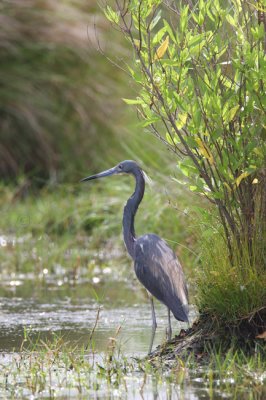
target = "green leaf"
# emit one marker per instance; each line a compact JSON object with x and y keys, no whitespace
{"x":218,"y":195}
{"x":187,"y":167}
{"x":172,"y":139}
{"x":168,"y":138}
{"x":227,"y":82}
{"x":258,"y":32}
{"x":201,"y":18}
{"x":111,"y":15}
{"x":194,"y":188}
{"x":231,"y":20}
{"x":156,"y":39}
{"x":182,"y":119}
{"x":155,"y":20}
{"x":172,"y":63}
{"x":184,"y":18}
{"x":169,"y":31}
{"x":230,"y":114}
{"x":196,"y":40}
{"x":150,"y":121}
{"x":133,"y":101}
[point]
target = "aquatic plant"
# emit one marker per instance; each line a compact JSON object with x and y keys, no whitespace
{"x":56,"y":368}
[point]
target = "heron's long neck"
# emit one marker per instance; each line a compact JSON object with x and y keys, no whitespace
{"x":130,"y":211}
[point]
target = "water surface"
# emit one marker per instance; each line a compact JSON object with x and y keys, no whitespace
{"x":51,"y":308}
{"x":71,"y":311}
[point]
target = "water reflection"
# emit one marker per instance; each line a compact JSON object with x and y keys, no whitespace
{"x":70,"y":311}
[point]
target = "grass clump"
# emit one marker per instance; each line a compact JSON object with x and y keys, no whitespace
{"x":232,"y":288}
{"x":233,"y":373}
{"x":55,"y":368}
{"x":230,"y":294}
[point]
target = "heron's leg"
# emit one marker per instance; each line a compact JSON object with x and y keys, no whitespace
{"x":154,"y":323}
{"x":169,"y":329}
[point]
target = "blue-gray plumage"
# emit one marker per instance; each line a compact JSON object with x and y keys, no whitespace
{"x":155,"y":263}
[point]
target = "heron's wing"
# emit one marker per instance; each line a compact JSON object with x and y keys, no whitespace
{"x":159,"y":270}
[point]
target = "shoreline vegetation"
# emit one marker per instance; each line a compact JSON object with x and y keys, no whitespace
{"x":196,"y":81}
{"x":53,"y":368}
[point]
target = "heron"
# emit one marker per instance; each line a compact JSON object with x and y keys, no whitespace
{"x":156,"y":265}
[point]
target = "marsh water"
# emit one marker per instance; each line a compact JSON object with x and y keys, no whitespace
{"x":43,"y":309}
{"x":71,"y":310}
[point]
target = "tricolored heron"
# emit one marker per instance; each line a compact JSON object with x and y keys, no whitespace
{"x":155,"y":263}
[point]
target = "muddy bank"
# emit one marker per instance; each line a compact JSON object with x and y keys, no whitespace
{"x":207,"y":334}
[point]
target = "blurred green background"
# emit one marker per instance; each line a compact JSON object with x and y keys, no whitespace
{"x":60,"y":98}
{"x":62,"y":118}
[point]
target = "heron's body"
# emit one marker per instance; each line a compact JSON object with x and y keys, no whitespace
{"x":161,"y":274}
{"x":155,"y":263}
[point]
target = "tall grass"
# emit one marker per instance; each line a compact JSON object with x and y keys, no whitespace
{"x":232,"y":288}
{"x":60,"y":105}
{"x":56,"y":91}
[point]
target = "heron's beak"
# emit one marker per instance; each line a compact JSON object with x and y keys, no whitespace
{"x":108,"y":172}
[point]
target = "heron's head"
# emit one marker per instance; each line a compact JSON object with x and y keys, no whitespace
{"x":126,"y":167}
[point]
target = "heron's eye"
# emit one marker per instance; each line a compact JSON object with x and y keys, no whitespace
{"x":120,"y":166}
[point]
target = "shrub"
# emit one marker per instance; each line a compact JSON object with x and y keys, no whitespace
{"x":200,"y":70}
